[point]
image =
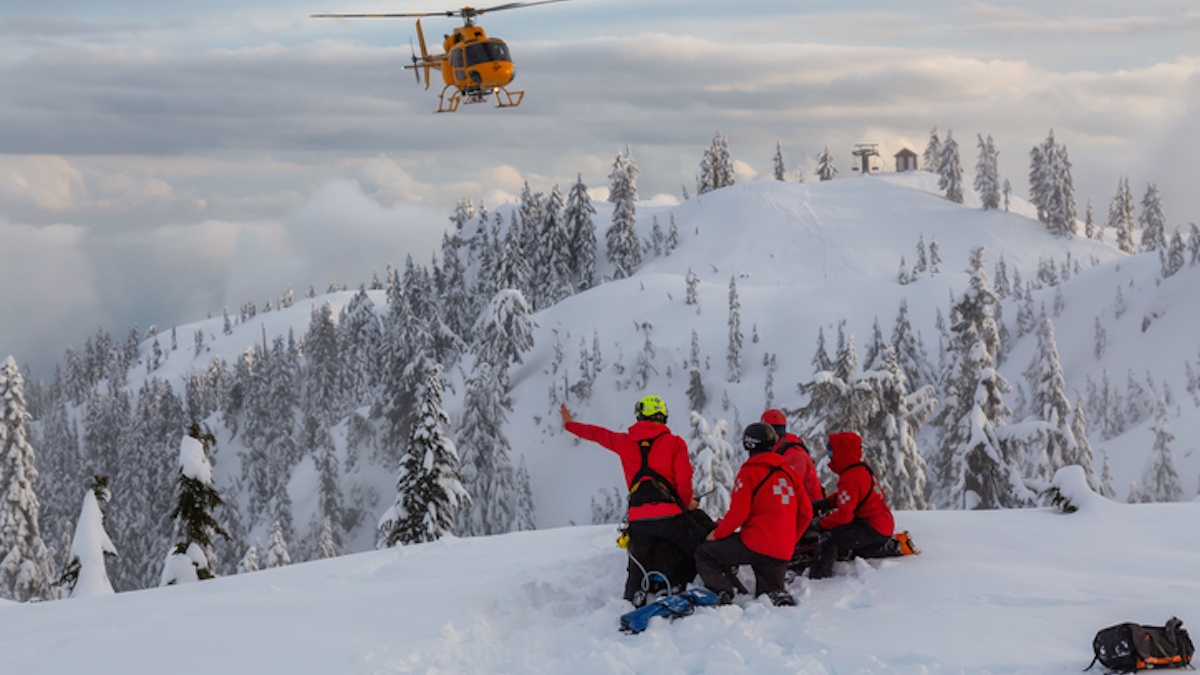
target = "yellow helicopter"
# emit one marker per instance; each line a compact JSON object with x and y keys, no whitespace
{"x":474,"y":66}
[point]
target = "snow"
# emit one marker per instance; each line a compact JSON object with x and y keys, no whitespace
{"x":1019,"y":592}
{"x":90,"y":544}
{"x":193,"y":462}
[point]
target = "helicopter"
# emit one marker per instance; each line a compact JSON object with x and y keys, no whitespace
{"x":474,"y":66}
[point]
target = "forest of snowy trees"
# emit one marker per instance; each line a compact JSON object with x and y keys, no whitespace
{"x":141,"y":462}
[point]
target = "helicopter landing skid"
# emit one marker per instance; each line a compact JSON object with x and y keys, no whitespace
{"x":504,"y":97}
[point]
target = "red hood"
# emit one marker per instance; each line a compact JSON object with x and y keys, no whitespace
{"x":846,"y":448}
{"x":643,"y":429}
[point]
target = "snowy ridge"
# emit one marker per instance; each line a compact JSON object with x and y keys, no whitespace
{"x":803,"y":257}
{"x":1018,"y":592}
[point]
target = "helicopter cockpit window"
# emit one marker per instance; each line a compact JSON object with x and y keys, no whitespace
{"x":456,"y":58}
{"x":487,"y":51}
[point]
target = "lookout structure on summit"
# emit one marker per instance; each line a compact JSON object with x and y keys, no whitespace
{"x":906,"y":160}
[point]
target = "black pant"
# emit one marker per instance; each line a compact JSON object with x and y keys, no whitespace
{"x":716,"y":560}
{"x":846,"y":541}
{"x":664,"y":545}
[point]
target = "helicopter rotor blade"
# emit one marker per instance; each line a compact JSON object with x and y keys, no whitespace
{"x":402,"y":15}
{"x":512,"y":5}
{"x":464,"y":12}
{"x":413,"y":51}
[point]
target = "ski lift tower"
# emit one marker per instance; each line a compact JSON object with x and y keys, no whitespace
{"x":865,"y":151}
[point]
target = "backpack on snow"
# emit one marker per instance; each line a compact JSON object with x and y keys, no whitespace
{"x":1129,"y":647}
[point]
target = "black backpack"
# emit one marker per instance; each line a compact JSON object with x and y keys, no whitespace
{"x":1129,"y":647}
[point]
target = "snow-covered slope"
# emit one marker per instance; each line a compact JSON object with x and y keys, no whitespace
{"x":1019,"y":592}
{"x":804,"y":257}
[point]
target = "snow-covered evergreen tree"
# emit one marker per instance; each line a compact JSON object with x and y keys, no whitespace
{"x":840,"y":398}
{"x":26,"y":566}
{"x":987,"y":174}
{"x":780,"y":171}
{"x":716,"y":168}
{"x":86,"y":574}
{"x":1152,"y":221}
{"x":577,"y":216}
{"x":825,"y":168}
{"x":277,"y":552}
{"x":692,"y":296}
{"x":1048,"y":403}
{"x":712,"y":458}
{"x":974,"y":467}
{"x":950,"y":170}
{"x":1160,"y":480}
{"x":1107,"y":489}
{"x":623,"y":248}
{"x":933,"y":153}
{"x":890,"y":435}
{"x":733,"y":356}
{"x":192,"y":558}
{"x":429,"y":491}
{"x":486,"y":457}
{"x":554,"y":273}
{"x":1089,"y":224}
{"x":1174,"y":256}
{"x":657,"y":237}
{"x":672,"y":241}
{"x":909,"y":354}
{"x":250,"y":561}
{"x":1120,"y":216}
{"x":697,"y":396}
{"x":503,"y":332}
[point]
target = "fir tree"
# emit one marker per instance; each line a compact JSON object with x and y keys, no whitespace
{"x":657,"y":238}
{"x":909,"y":355}
{"x":711,"y":455}
{"x":577,"y":217}
{"x":1152,"y":220}
{"x":277,"y":553}
{"x":1193,"y":244}
{"x":554,"y":273}
{"x":503,"y":332}
{"x":249,"y":561}
{"x":192,"y":557}
{"x":429,"y":491}
{"x":692,"y":296}
{"x":1120,"y":216}
{"x":890,"y":437}
{"x":733,"y":357}
{"x":26,"y":566}
{"x":987,"y":178}
{"x":716,"y":168}
{"x":1048,"y":403}
{"x":975,"y":467}
{"x":1101,"y":341}
{"x":1160,"y":480}
{"x":950,"y":170}
{"x":1173,"y":256}
{"x":780,"y":171}
{"x":1106,"y":478}
{"x":933,"y":153}
{"x":486,"y":457}
{"x":825,"y":168}
{"x":623,"y":249}
{"x":86,"y":574}
{"x":1089,"y":224}
{"x":697,"y":396}
{"x":672,"y":241}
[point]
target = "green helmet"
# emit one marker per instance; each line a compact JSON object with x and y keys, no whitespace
{"x":650,"y":406}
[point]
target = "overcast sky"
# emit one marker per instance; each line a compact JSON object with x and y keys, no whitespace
{"x":159,"y":161}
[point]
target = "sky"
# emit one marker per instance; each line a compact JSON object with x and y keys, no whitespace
{"x":161,"y":161}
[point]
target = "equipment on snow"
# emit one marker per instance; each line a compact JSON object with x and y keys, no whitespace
{"x":671,"y":607}
{"x":1129,"y":647}
{"x":901,"y":544}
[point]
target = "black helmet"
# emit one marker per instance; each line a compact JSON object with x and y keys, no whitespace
{"x":759,"y":437}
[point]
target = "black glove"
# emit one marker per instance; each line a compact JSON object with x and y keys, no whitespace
{"x":823,"y":506}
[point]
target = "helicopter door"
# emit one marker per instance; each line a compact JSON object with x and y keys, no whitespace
{"x":456,"y":60}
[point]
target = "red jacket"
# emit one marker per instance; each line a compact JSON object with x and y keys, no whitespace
{"x":773,"y":519}
{"x":859,"y":494}
{"x":668,"y":456}
{"x":802,"y":463}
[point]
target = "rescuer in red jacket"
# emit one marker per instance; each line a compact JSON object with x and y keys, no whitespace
{"x":769,"y":506}
{"x":861,"y":519}
{"x":658,"y":472}
{"x":795,"y":453}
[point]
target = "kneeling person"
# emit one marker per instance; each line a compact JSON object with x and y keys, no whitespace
{"x":771,"y":509}
{"x":861,"y":521}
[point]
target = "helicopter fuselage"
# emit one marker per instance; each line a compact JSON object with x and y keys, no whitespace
{"x":472,"y":60}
